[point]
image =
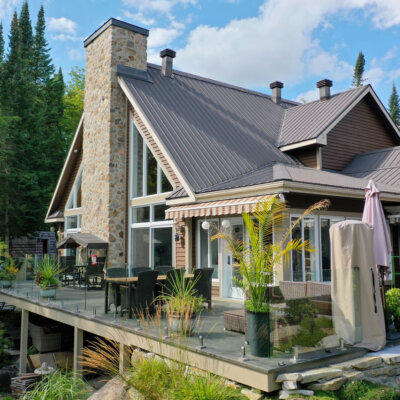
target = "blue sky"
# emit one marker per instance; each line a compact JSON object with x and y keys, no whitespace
{"x":244,"y":42}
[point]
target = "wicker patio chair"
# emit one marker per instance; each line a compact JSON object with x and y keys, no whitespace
{"x":203,"y":280}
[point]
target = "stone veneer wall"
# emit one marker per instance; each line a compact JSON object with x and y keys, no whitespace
{"x":104,"y":141}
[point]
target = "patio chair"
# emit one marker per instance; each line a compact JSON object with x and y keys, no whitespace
{"x":94,"y":276}
{"x":163,"y":269}
{"x":135,"y":270}
{"x":114,"y":296}
{"x":69,"y":275}
{"x":203,"y":279}
{"x":142,"y":300}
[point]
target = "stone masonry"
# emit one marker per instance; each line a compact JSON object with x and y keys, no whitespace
{"x":105,"y":160}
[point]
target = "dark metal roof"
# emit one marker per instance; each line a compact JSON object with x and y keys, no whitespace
{"x":86,"y":240}
{"x":213,"y":131}
{"x":178,"y":193}
{"x":379,"y":165}
{"x":308,"y":121}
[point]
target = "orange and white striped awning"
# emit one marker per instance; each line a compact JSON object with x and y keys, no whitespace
{"x":214,"y":208}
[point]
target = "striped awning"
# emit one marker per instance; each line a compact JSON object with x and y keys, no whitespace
{"x":214,"y":208}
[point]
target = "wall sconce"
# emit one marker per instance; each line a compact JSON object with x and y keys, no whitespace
{"x":226,"y":223}
{"x":205,"y":225}
{"x":176,"y":237}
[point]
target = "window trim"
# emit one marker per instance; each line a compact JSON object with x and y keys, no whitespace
{"x":78,"y":223}
{"x":198,"y":251}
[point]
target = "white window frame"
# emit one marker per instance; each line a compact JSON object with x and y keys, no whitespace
{"x":151,"y":224}
{"x":74,"y":193}
{"x":79,"y":224}
{"x":198,"y":252}
{"x":144,"y":168}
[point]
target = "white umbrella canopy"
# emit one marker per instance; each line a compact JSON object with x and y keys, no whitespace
{"x":373,"y":215}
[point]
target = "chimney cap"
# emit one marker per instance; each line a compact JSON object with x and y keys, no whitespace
{"x":324,"y":82}
{"x":276,"y":84}
{"x":167,"y":53}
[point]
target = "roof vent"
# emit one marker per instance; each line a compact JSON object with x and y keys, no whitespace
{"x":167,"y":56}
{"x":276,"y":91}
{"x":324,"y":87}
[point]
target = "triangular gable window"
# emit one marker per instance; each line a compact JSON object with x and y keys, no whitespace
{"x":75,"y":198}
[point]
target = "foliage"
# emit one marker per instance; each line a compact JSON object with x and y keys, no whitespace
{"x":361,"y":390}
{"x":4,"y":341}
{"x":259,"y":255}
{"x":394,"y":106}
{"x":59,"y":385}
{"x":359,"y":70}
{"x":31,"y":142}
{"x":8,"y":270}
{"x":393,"y":303}
{"x":299,"y":309}
{"x":73,"y":103}
{"x":47,"y":272}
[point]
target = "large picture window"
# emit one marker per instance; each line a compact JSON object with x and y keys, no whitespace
{"x":147,"y":176}
{"x":208,"y":250}
{"x":151,"y":238}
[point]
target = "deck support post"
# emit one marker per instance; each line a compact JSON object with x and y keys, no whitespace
{"x":23,"y":351}
{"x":78,"y":346}
{"x":124,"y":358}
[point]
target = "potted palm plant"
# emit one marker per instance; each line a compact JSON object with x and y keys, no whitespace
{"x":181,"y":304}
{"x":47,"y":273}
{"x":258,"y":256}
{"x":8,"y":270}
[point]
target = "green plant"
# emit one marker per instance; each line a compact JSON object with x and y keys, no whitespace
{"x":59,"y":385}
{"x":393,"y":304}
{"x":47,"y":272}
{"x":259,"y":255}
{"x":299,"y":309}
{"x":8,"y":269}
{"x":361,"y":390}
{"x":4,"y":342}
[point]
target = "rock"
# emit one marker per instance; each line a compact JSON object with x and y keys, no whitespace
{"x":251,"y":394}
{"x":283,"y":394}
{"x":321,"y":373}
{"x":353,"y":375}
{"x":289,"y":385}
{"x":115,"y":389}
{"x":329,"y":341}
{"x":288,"y":377}
{"x":379,"y":371}
{"x":391,"y":359}
{"x":331,"y":385}
{"x":397,"y":380}
{"x":394,"y":371}
{"x":367,"y":362}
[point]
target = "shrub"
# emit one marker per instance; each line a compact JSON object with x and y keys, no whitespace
{"x":393,"y":305}
{"x":60,"y":386}
{"x":299,"y":309}
{"x":3,"y":343}
{"x":361,"y":390}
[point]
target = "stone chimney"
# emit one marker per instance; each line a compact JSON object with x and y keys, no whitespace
{"x":276,"y":91}
{"x":324,"y":87}
{"x":105,"y":130}
{"x":167,"y":56}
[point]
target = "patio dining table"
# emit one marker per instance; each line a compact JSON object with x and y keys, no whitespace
{"x":130,"y":282}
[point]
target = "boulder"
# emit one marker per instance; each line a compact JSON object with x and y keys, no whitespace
{"x":315,"y":375}
{"x":331,"y":385}
{"x":289,"y":385}
{"x":288,"y":377}
{"x":251,"y":394}
{"x":115,"y":389}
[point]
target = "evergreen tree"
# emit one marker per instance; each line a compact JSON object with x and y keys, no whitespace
{"x":359,"y":70}
{"x":394,"y":106}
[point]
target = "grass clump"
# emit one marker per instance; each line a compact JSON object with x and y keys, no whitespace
{"x":60,"y":386}
{"x":361,"y":390}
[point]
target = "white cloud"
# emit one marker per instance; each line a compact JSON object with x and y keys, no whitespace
{"x":311,"y":95}
{"x":63,"y":37}
{"x":277,"y":44}
{"x":76,"y":54}
{"x":139,"y":18}
{"x":63,"y":25}
{"x":161,"y":6}
{"x":8,"y":6}
{"x":163,"y":36}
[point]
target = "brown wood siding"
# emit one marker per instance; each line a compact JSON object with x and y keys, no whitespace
{"x":215,"y":291}
{"x":180,"y":257}
{"x":359,"y":131}
{"x":194,"y":243}
{"x":71,"y":180}
{"x":307,"y":157}
{"x":160,"y":157}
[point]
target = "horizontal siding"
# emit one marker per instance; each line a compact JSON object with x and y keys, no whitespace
{"x":360,"y":131}
{"x":307,"y":157}
{"x":180,"y":257}
{"x":215,"y":291}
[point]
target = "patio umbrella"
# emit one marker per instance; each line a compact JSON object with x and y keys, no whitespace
{"x":373,"y":215}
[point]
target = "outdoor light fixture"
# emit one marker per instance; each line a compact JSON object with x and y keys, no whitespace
{"x":176,"y":237}
{"x":226,"y":223}
{"x":205,"y":225}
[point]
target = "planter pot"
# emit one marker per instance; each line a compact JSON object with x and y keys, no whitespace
{"x":258,"y":327}
{"x":50,"y":291}
{"x":5,"y":284}
{"x":181,"y":324}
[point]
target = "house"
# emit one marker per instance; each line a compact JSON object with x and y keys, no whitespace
{"x":158,"y":152}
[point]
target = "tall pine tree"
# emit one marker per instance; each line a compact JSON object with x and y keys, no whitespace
{"x":358,"y":75}
{"x":394,"y":106}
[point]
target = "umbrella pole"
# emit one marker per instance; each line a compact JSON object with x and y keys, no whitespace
{"x":381,"y":270}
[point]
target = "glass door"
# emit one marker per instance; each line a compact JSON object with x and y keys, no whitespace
{"x":230,"y":265}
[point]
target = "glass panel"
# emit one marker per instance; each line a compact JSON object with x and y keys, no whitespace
{"x":309,"y":257}
{"x":137,"y":159}
{"x":165,"y":185}
{"x":237,"y":234}
{"x":214,"y":258}
{"x":297,"y":267}
{"x":151,"y":173}
{"x":203,"y":262}
{"x":70,"y":203}
{"x":72,"y":222}
{"x":325,"y":249}
{"x":140,"y":247}
{"x":159,"y":212}
{"x":79,"y":192}
{"x":162,"y":246}
{"x":140,"y":214}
